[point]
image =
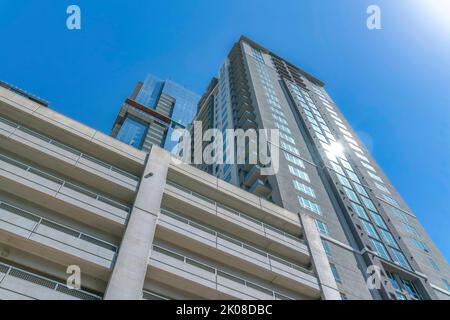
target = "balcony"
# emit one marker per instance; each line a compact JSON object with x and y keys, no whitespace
{"x":248,"y":124}
{"x":32,"y":228}
{"x":260,"y":188}
{"x":204,"y":280}
{"x":245,"y":116}
{"x":18,"y":284}
{"x":69,"y":160}
{"x":237,"y":254}
{"x":76,"y":201}
{"x":235,"y":222}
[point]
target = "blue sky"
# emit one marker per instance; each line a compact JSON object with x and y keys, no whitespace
{"x":392,"y":84}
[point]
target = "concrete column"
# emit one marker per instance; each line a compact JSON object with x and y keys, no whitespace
{"x":127,"y":279}
{"x":319,"y":259}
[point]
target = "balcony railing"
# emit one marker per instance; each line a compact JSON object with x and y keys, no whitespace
{"x":61,"y":184}
{"x":108,"y":169}
{"x":9,"y":276}
{"x":30,"y":225}
{"x":251,"y":252}
{"x":215,"y":275}
{"x":252,"y":221}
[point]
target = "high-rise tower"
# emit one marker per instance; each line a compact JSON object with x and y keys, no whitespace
{"x":153,"y":111}
{"x":325,"y":170}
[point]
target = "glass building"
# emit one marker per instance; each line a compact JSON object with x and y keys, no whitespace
{"x":156,"y":108}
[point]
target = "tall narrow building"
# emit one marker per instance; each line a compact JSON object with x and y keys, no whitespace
{"x":325,"y":171}
{"x":149,"y":116}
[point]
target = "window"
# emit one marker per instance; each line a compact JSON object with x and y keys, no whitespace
{"x":378,"y":220}
{"x":380,"y":249}
{"x":336,"y":275}
{"x":389,"y":238}
{"x":400,"y":259}
{"x":433,"y":264}
{"x":344,"y":181}
{"x":382,"y":188}
{"x":346,"y":165}
{"x":326,"y":247}
{"x":304,"y":188}
{"x":290,"y":148}
{"x":322,"y":227}
{"x":400,"y":214}
{"x":289,"y":157}
{"x":446,"y":283}
{"x":369,"y":204}
{"x":410,"y":229}
{"x":420,"y":245}
{"x":370,"y":229}
{"x":374,"y":176}
{"x":393,"y":281}
{"x":337,"y":168}
{"x":132,"y":132}
{"x":390,"y":200}
{"x":287,"y":137}
{"x":307,"y":204}
{"x":368,"y":166}
{"x":353,"y":176}
{"x":298,"y":173}
{"x":361,"y":189}
{"x":360,"y":211}
{"x":410,"y":288}
{"x":282,"y":127}
{"x":351,"y":195}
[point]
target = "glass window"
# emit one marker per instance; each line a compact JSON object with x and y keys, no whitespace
{"x":380,"y":249}
{"x":344,"y":181}
{"x":434,"y":264}
{"x":410,"y":229}
{"x":400,"y":259}
{"x":370,"y":229}
{"x":337,"y":168}
{"x":446,"y":283}
{"x":389,"y":238}
{"x":360,"y":211}
{"x":353,"y":176}
{"x":374,"y":176}
{"x":393,"y":280}
{"x":420,"y":244}
{"x":410,"y":288}
{"x":322,"y":227}
{"x":378,"y":220}
{"x":298,"y":173}
{"x":335,"y":272}
{"x":326,"y":247}
{"x":400,"y":214}
{"x":307,"y":204}
{"x":289,"y":157}
{"x":351,"y":195}
{"x":304,"y":188}
{"x":360,"y":189}
{"x":369,"y":204}
{"x":290,"y":148}
{"x":382,"y":188}
{"x":390,"y":200}
{"x":132,"y":132}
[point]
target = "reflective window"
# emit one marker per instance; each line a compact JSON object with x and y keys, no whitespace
{"x":132,"y":132}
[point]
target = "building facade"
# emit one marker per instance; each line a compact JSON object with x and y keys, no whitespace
{"x":129,"y":224}
{"x":326,"y":171}
{"x":153,"y":111}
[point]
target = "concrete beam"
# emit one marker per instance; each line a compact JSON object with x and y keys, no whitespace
{"x":127,"y":279}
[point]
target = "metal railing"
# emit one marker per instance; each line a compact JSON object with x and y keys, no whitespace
{"x":284,"y":235}
{"x":219,"y":273}
{"x":38,"y":220}
{"x":64,"y":183}
{"x":10,"y":271}
{"x":239,"y":243}
{"x":68,"y":149}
